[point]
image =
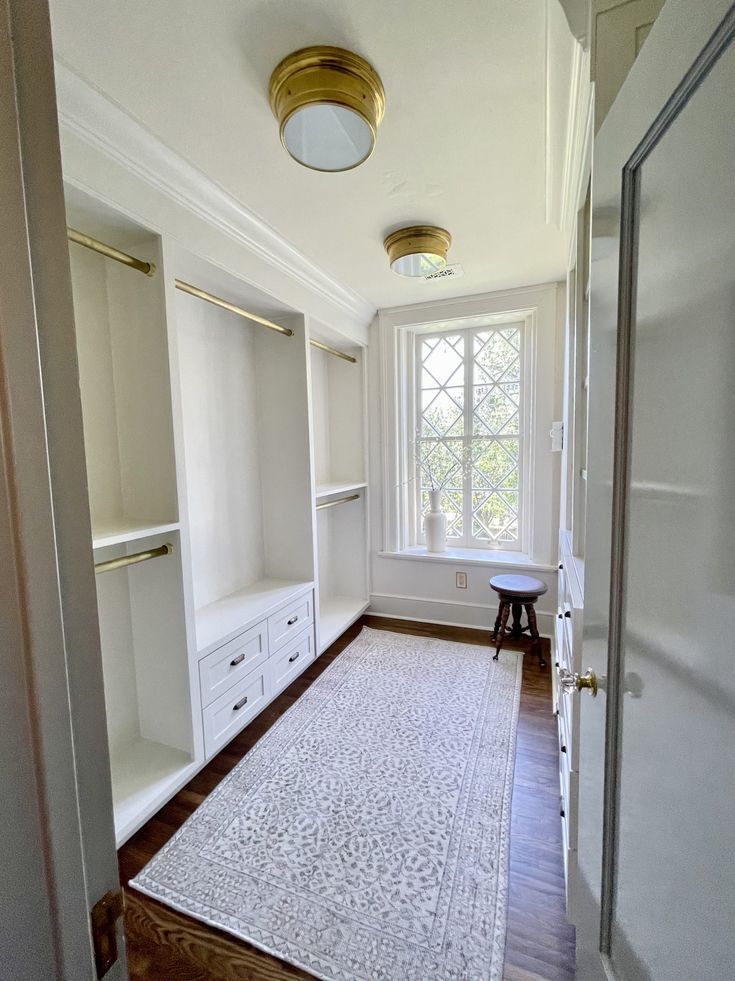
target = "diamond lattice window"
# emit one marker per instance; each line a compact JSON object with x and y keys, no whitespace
{"x":470,"y":431}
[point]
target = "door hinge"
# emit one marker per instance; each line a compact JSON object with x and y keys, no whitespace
{"x":104,"y":916}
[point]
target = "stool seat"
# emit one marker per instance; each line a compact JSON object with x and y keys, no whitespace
{"x":518,"y":586}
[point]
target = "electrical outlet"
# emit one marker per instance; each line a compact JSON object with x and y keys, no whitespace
{"x":461,"y":579}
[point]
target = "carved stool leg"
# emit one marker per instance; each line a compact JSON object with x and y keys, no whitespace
{"x":533,"y":628}
{"x":517,"y":629}
{"x":504,"y":613}
{"x":498,"y":618}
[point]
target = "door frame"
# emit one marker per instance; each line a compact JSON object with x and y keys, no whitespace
{"x":58,"y":826}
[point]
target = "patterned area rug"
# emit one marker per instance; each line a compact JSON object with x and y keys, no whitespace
{"x":366,"y":835}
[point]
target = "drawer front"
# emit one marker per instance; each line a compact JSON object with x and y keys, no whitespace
{"x":290,"y":661}
{"x":290,"y":621}
{"x":225,"y":717}
{"x":224,"y":667}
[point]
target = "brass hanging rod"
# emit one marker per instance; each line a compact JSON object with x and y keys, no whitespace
{"x":334,"y":351}
{"x":340,"y":500}
{"x":147,"y":268}
{"x":134,"y":559}
{"x":226,"y":305}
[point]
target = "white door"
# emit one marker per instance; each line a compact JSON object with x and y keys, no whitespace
{"x":655,"y":884}
{"x":57,"y":849}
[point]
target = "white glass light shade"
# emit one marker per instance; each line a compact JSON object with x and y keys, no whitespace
{"x":328,"y":137}
{"x":418,"y":264}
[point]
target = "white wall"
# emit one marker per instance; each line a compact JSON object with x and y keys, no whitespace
{"x":423,"y":587}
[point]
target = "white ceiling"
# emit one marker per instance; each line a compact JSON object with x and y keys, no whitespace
{"x":464,"y":143}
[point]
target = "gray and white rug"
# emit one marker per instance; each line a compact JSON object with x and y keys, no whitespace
{"x":366,"y":835}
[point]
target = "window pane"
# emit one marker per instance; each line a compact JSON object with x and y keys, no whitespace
{"x":497,"y":356}
{"x":494,"y":517}
{"x":442,"y":361}
{"x":494,"y":463}
{"x":471,"y":452}
{"x":442,"y":386}
{"x":495,"y":409}
{"x":442,"y":412}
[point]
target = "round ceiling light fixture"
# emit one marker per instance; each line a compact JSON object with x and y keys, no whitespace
{"x":418,"y":251}
{"x":329,"y":103}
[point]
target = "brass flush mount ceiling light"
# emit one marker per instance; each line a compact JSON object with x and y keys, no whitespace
{"x":329,"y":103}
{"x":418,"y":250}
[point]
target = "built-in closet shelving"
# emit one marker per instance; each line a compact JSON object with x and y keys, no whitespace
{"x":246,"y":446}
{"x":340,"y":468}
{"x":226,"y":466}
{"x":122,"y":349}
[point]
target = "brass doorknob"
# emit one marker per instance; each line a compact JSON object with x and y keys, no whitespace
{"x":578,"y":682}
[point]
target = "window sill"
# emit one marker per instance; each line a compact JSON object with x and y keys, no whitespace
{"x":491,"y":558}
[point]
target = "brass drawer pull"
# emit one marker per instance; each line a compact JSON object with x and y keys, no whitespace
{"x":237,"y":660}
{"x":239,"y":705}
{"x":292,"y":621}
{"x":295,"y":656}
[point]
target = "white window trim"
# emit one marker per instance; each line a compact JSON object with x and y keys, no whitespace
{"x":414,"y":534}
{"x":538,"y":308}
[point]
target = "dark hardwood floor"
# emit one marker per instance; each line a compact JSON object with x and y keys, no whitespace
{"x":164,"y":945}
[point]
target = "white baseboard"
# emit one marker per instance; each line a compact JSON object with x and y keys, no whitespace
{"x":457,"y":614}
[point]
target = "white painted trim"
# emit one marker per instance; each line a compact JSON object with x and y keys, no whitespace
{"x":548,"y":162}
{"x":106,"y":126}
{"x":578,"y":149}
{"x":456,"y":612}
{"x":478,"y":304}
{"x":394,"y":323}
{"x":522,"y":563}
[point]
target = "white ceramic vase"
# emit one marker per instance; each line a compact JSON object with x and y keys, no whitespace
{"x":435,"y":524}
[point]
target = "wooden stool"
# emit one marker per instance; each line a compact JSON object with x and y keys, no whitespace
{"x":516,"y":592}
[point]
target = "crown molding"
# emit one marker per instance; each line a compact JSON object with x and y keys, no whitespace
{"x":108,"y":128}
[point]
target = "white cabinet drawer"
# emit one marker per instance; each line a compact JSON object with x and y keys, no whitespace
{"x":224,"y":667}
{"x":291,"y":660}
{"x":290,"y":621}
{"x":226,"y":716}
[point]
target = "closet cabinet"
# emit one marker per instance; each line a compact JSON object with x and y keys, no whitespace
{"x":339,"y":439}
{"x":568,"y":657}
{"x":212,"y":438}
{"x":122,"y":351}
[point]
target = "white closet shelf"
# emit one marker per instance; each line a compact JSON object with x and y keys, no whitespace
{"x":339,"y":487}
{"x":116,"y":531}
{"x":145,"y":774}
{"x":227,"y":617}
{"x":336,"y":614}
